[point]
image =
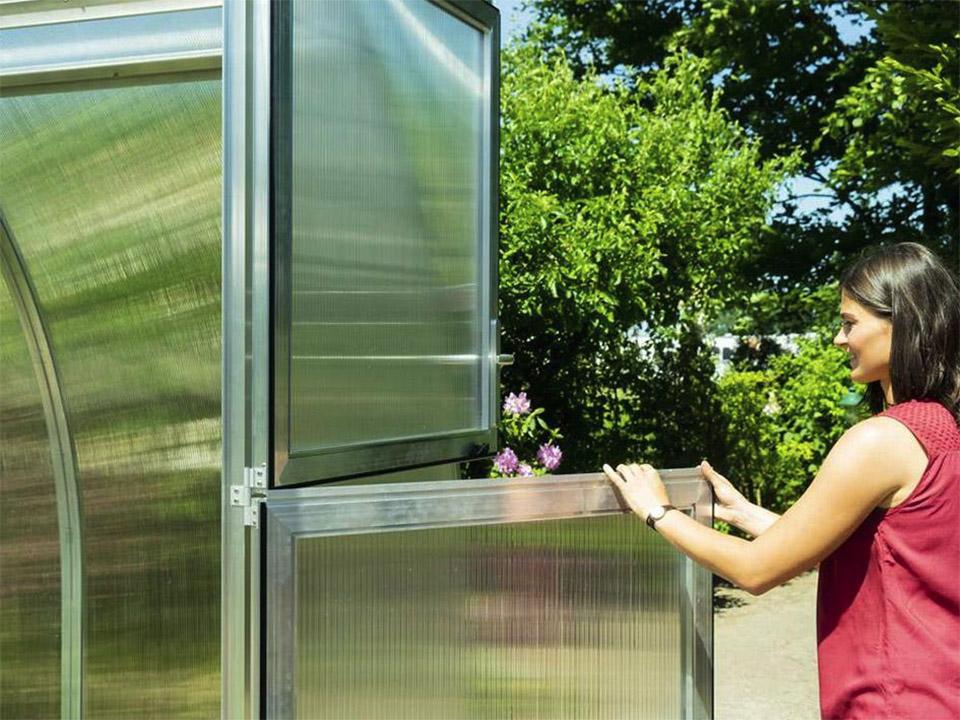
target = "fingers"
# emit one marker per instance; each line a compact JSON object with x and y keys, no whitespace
{"x":711,"y":475}
{"x":633,"y":471}
{"x":619,"y":484}
{"x":614,"y":476}
{"x":628,"y":472}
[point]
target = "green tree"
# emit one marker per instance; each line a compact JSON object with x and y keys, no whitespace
{"x":869,"y":114}
{"x":783,"y":63}
{"x":900,"y":125}
{"x":622,"y":207}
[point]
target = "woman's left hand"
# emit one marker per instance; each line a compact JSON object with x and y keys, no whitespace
{"x":640,"y":487}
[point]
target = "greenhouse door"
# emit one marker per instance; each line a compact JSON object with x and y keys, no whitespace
{"x":362,"y":577}
{"x":360,"y":186}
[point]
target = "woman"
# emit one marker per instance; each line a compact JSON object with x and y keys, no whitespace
{"x":882,"y":517}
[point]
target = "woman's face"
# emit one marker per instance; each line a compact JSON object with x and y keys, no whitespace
{"x":866,"y":338}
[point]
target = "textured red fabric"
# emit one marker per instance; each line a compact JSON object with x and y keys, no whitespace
{"x":888,"y":599}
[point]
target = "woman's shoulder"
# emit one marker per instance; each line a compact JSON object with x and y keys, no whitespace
{"x":930,"y":422}
{"x":881,"y":433}
{"x":876,"y":458}
{"x":888,"y":444}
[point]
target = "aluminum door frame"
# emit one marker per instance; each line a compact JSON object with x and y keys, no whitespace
{"x":293,"y":514}
{"x":246,"y":349}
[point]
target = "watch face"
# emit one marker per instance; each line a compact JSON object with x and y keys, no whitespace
{"x":657,"y":512}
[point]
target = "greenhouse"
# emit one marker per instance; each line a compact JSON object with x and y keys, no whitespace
{"x":249,"y":339}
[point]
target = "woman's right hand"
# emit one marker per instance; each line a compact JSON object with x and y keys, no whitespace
{"x":731,"y":503}
{"x":734,"y":508}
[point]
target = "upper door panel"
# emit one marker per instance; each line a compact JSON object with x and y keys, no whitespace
{"x":384,"y":235}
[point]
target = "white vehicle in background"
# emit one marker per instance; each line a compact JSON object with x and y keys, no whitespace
{"x":725,"y":346}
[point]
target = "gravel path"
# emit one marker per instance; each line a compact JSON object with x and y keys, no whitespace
{"x":765,"y":653}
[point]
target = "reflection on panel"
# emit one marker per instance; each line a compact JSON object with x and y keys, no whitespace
{"x":387,"y":140}
{"x":114,"y":198}
{"x":572,"y":618}
{"x":29,"y":536}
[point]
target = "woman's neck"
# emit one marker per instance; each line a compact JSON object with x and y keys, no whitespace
{"x":887,"y":386}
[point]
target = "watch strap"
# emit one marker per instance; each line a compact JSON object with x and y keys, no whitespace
{"x":652,"y":521}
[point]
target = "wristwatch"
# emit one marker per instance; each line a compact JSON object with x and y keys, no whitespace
{"x":656,"y":512}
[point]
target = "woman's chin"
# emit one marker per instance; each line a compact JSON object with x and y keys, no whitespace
{"x":858,"y":376}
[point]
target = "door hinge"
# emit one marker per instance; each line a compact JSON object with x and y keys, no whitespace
{"x":249,"y":496}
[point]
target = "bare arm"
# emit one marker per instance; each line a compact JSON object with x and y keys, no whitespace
{"x":753,"y":519}
{"x":866,"y":465}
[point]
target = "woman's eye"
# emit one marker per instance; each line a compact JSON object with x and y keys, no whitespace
{"x":846,"y":325}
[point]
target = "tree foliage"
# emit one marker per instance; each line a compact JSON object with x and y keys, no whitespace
{"x":621,"y":207}
{"x":900,"y":125}
{"x":873,"y":119}
{"x":872,"y":114}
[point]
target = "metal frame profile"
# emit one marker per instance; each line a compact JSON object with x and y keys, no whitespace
{"x":25,"y":13}
{"x":66,"y":481}
{"x":339,"y":462}
{"x":245,"y":328}
{"x":295,"y":514}
{"x":136,"y":52}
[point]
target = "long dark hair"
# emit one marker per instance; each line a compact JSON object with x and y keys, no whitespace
{"x":909,"y":285}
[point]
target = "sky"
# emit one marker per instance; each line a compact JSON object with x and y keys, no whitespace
{"x":514,"y":19}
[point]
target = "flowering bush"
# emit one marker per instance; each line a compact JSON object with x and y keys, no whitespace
{"x":519,"y":427}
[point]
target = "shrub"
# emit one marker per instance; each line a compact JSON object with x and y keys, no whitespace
{"x":780,"y":422}
{"x":621,"y":208}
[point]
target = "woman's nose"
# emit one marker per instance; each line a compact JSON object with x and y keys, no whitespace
{"x":840,"y":340}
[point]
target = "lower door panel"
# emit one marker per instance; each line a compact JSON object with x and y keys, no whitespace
{"x":483,"y":599}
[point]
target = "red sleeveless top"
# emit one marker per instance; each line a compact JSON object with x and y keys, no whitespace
{"x":888,"y":599}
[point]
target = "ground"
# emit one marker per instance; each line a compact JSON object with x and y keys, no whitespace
{"x":765,"y":653}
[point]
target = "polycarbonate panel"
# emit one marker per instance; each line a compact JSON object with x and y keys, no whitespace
{"x":438,"y":529}
{"x":114,"y":198}
{"x":387,"y":142}
{"x":29,"y":536}
{"x":563,"y":619}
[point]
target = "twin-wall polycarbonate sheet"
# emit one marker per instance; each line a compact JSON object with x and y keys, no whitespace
{"x":528,"y":598}
{"x":29,"y":538}
{"x":387,"y":194}
{"x":113,"y":196}
{"x":562,"y":619}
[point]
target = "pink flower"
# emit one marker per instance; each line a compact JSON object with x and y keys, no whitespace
{"x":549,"y":456}
{"x":516,"y":404}
{"x":525,"y":470}
{"x":506,"y":461}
